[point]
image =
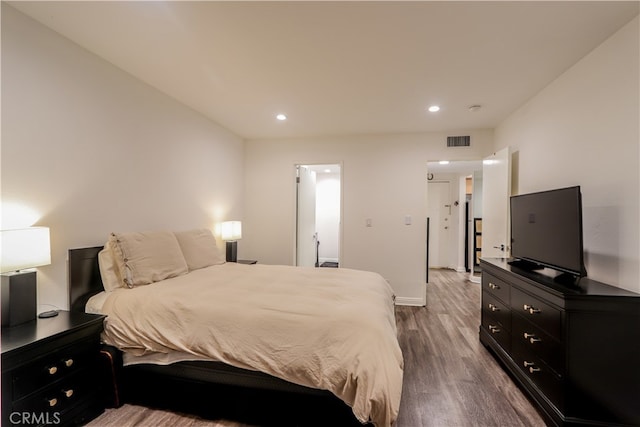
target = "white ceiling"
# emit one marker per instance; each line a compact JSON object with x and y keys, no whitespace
{"x":339,"y":68}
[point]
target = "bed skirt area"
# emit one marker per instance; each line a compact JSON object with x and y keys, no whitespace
{"x":216,"y":391}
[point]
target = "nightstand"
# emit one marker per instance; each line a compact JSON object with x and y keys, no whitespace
{"x":51,"y":372}
{"x":247,"y":261}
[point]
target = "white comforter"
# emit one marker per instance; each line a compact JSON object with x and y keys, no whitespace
{"x":331,"y":329}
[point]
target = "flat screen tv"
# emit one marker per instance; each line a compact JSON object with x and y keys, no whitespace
{"x":546,"y":231}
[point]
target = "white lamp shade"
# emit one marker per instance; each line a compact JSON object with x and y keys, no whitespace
{"x":24,"y":248}
{"x":231,"y":230}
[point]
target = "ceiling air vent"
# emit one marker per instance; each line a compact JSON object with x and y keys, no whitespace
{"x":458,"y":141}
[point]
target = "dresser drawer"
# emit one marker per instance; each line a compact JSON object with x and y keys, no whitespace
{"x":496,"y":309}
{"x":62,"y":395}
{"x":538,"y":372}
{"x":538,"y":342}
{"x":495,"y":286}
{"x":499,"y":332}
{"x":51,"y":368}
{"x":537,"y":311}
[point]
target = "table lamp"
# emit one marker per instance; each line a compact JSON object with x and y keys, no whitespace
{"x":231,"y":232}
{"x":20,"y":251}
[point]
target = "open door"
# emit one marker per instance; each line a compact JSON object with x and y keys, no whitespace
{"x":306,"y":236}
{"x":496,"y":190}
{"x":439,"y":197}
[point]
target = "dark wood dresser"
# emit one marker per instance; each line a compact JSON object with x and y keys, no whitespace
{"x":574,"y":349}
{"x":51,"y":372}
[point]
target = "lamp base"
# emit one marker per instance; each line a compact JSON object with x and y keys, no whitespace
{"x":18,"y":298}
{"x":232,"y":251}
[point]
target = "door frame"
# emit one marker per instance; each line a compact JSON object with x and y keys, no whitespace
{"x":432,"y":225}
{"x":295,"y":207}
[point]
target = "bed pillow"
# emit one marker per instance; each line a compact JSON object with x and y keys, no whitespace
{"x":199,"y":248}
{"x":147,"y":257}
{"x":109,"y":273}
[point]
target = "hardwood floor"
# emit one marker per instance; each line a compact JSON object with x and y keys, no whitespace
{"x":450,"y":379}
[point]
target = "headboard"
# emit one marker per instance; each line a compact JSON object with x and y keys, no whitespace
{"x":84,"y":276}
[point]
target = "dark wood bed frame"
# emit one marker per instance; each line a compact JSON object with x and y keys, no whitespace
{"x":188,"y":385}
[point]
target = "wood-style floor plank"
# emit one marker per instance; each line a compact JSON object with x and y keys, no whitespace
{"x":450,"y":378}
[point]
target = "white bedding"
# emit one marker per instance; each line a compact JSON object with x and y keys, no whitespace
{"x":331,"y":329}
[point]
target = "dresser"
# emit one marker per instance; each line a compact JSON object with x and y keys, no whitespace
{"x":574,"y":349}
{"x":51,"y":372}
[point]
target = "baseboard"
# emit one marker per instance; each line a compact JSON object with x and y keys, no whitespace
{"x":418,"y":302}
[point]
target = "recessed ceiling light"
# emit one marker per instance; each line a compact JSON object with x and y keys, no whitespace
{"x":281,"y":116}
{"x":327,"y":171}
{"x":434,"y":109}
{"x":444,"y":162}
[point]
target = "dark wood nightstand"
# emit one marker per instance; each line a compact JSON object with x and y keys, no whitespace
{"x":51,"y":372}
{"x":247,"y":261}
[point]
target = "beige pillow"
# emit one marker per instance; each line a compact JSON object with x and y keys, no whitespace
{"x":111,"y":279}
{"x":147,"y":257}
{"x":199,"y":248}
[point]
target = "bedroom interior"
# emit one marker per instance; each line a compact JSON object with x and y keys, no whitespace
{"x":170,"y":124}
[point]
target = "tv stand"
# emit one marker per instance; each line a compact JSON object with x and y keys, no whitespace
{"x":573,"y":349}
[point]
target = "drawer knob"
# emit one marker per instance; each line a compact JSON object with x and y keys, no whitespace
{"x":68,"y":363}
{"x":52,"y":402}
{"x":494,"y":329}
{"x":492,"y":307}
{"x":493,"y":286}
{"x":68,"y":393}
{"x":52,"y":370}
{"x":532,"y":366}
{"x":531,"y":337}
{"x":530,"y":309}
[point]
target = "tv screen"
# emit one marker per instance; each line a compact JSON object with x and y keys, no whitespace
{"x":546,"y":229}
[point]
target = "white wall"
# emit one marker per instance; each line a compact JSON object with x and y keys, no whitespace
{"x":583,"y":129}
{"x":383,"y":178}
{"x":92,"y":150}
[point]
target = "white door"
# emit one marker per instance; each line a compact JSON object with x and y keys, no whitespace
{"x":496,"y":190}
{"x":439,"y":210}
{"x":306,"y":236}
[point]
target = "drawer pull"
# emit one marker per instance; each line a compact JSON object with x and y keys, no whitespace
{"x":68,"y":363}
{"x":530,"y":309}
{"x":492,"y":286}
{"x":532,"y":366}
{"x":68,"y":393}
{"x":52,"y":370}
{"x":52,"y":402}
{"x":531,"y":337}
{"x":494,"y":329}
{"x":493,"y":307}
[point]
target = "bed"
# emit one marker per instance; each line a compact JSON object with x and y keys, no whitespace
{"x":250,"y":327}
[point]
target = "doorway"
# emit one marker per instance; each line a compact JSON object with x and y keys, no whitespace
{"x":439,"y":211}
{"x":454,"y":247}
{"x":318,"y":215}
{"x":480,"y":222}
